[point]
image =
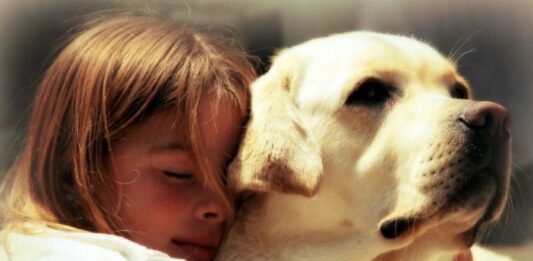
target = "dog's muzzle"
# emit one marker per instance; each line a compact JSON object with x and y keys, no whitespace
{"x":467,"y":171}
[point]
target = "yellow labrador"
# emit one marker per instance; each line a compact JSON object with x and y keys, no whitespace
{"x":366,"y":146}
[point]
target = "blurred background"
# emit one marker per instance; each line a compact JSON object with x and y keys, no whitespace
{"x":495,"y":36}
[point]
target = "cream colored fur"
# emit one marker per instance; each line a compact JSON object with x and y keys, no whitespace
{"x":324,"y":175}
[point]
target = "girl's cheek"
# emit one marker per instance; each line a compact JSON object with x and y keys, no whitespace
{"x":180,"y":192}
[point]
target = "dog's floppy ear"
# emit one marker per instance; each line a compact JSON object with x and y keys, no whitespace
{"x":277,"y":152}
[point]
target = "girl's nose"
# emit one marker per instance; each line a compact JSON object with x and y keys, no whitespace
{"x":210,"y":209}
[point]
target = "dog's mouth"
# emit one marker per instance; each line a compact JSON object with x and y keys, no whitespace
{"x":477,"y":202}
{"x":469,"y":214}
{"x":478,"y":199}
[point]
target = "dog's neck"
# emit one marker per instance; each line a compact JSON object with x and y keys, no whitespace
{"x":257,"y":236}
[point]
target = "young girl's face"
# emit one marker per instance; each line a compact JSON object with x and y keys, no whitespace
{"x":165,"y":204}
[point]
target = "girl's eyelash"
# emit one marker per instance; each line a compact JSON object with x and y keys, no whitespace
{"x":177,"y":175}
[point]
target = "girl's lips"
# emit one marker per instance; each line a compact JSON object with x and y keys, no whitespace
{"x":197,"y":251}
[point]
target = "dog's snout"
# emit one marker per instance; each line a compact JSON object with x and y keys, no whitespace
{"x":486,"y":116}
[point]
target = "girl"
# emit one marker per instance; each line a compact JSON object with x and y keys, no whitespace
{"x":131,"y":130}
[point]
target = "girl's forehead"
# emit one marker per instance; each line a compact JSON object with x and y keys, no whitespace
{"x":161,"y":131}
{"x":218,"y":126}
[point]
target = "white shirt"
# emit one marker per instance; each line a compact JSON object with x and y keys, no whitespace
{"x":53,"y":245}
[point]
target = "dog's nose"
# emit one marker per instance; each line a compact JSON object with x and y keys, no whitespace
{"x":487,"y":116}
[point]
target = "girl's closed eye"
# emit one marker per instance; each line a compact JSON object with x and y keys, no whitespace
{"x":174,"y":164}
{"x":178,"y":175}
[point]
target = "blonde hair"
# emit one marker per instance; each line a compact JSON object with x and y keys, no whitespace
{"x":112,"y":75}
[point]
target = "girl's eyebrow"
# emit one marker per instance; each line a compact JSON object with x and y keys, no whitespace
{"x":173,"y":146}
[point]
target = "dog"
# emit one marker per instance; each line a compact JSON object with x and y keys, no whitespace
{"x":366,"y":146}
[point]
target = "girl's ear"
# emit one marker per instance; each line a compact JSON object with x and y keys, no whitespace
{"x":277,"y":152}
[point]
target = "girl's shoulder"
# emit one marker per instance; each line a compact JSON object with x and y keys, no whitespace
{"x":54,"y":244}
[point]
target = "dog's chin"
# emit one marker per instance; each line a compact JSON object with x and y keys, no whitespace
{"x":469,"y":237}
{"x":480,"y":203}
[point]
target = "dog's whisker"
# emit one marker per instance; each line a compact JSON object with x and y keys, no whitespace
{"x":454,"y":48}
{"x":507,"y":218}
{"x":459,"y":57}
{"x":455,"y":56}
{"x":519,"y":160}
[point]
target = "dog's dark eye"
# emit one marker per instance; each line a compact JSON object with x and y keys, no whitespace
{"x":370,"y":92}
{"x":459,"y":91}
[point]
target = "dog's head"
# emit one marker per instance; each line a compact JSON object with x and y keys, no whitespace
{"x":380,"y":131}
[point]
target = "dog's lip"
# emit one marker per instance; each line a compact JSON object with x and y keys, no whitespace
{"x":398,"y":227}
